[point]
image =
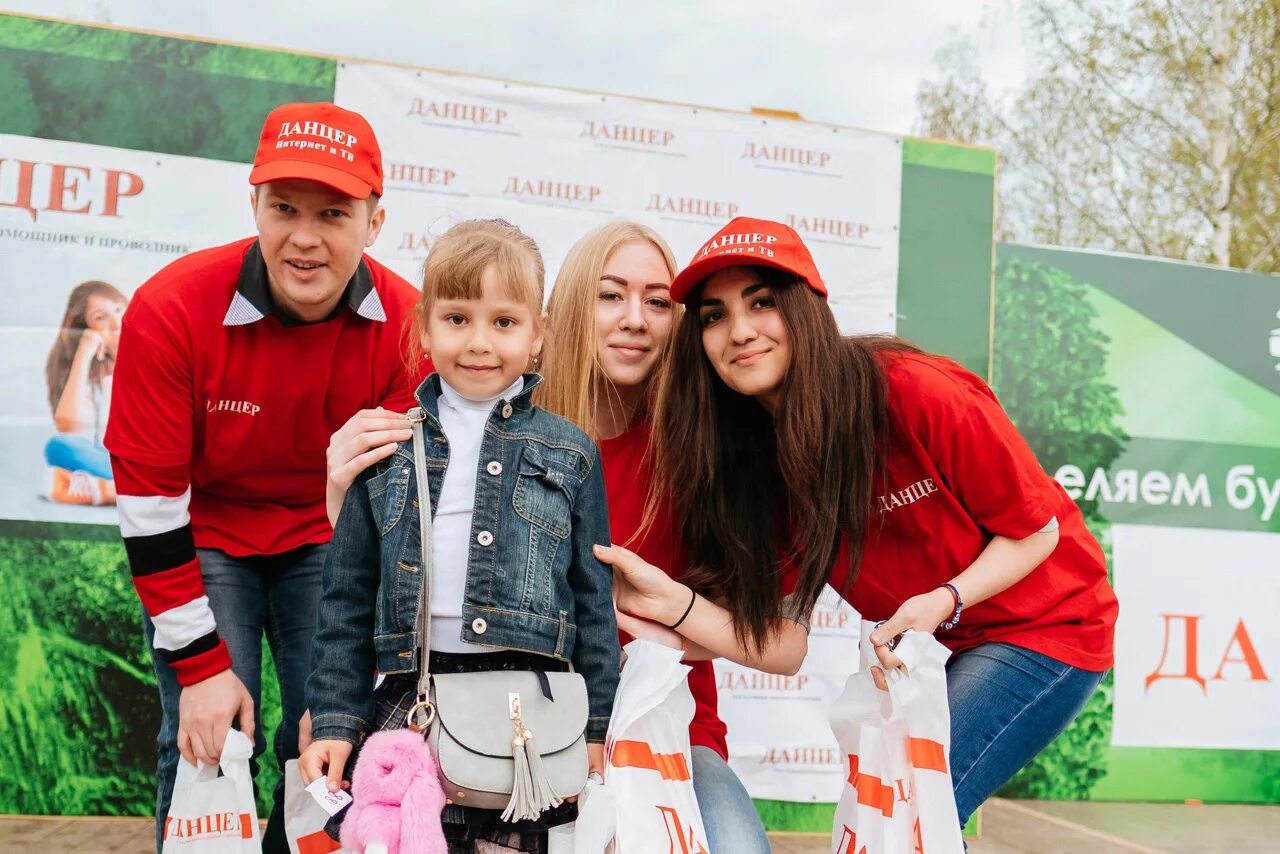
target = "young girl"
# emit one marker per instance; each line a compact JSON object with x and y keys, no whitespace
{"x":610,"y":317}
{"x":797,"y":457}
{"x":518,"y":502}
{"x":78,"y":374}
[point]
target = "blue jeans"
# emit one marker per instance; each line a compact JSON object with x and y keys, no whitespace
{"x":74,"y":452}
{"x":1007,"y":704}
{"x":278,"y":594}
{"x":728,"y":814}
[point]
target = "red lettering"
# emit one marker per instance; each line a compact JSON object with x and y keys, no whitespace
{"x":116,"y":190}
{"x":848,"y":843}
{"x":1248,"y":655}
{"x":1190,"y":653}
{"x":677,"y":838}
{"x":26,"y":171}
{"x":59,"y":186}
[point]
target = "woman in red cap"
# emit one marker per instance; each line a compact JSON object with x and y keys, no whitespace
{"x":796,"y":457}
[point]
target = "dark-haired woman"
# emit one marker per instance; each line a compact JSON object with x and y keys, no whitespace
{"x":78,"y":375}
{"x":797,"y":457}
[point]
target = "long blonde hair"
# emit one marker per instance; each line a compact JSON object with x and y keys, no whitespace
{"x":574,"y":379}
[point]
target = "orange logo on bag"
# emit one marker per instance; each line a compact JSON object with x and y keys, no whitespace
{"x":217,"y":824}
{"x":871,"y":791}
{"x":927,"y":754}
{"x":849,"y":843}
{"x":637,"y":754}
{"x":679,"y":841}
{"x":317,"y":843}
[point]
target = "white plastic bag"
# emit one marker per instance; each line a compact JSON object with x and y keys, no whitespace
{"x":897,"y":798}
{"x":647,"y":801}
{"x":304,"y":819}
{"x":212,"y":814}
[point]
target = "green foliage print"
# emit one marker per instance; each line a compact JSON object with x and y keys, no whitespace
{"x":1049,"y":371}
{"x":74,"y":680}
{"x":82,"y":84}
{"x":78,"y":704}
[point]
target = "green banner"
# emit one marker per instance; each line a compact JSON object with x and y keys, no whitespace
{"x":1151,"y":390}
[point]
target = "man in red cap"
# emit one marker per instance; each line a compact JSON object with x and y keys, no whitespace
{"x":235,"y":365}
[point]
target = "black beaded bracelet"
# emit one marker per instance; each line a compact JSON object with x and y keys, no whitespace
{"x":692,"y":599}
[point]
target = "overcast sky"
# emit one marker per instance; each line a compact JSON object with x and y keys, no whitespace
{"x":850,"y":62}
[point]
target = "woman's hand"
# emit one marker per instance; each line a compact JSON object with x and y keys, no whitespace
{"x":371,"y":435}
{"x":649,"y":630}
{"x":92,"y":348}
{"x":641,"y":589}
{"x":923,"y":613}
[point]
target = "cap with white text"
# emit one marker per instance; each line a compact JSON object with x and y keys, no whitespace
{"x":319,"y":142}
{"x":746,"y":241}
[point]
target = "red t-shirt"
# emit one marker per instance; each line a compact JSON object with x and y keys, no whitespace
{"x":959,"y":473}
{"x":220,"y":416}
{"x":627,"y":475}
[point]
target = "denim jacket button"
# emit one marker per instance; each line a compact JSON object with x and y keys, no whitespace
{"x":506,"y":410}
{"x":494,"y":468}
{"x":479,"y":626}
{"x":484,"y":538}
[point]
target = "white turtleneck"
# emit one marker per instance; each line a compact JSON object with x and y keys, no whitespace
{"x":463,"y":421}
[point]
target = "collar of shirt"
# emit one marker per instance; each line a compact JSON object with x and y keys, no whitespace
{"x":252,"y":300}
{"x":454,"y":399}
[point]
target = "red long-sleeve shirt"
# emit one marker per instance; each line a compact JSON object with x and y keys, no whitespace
{"x":220,"y":416}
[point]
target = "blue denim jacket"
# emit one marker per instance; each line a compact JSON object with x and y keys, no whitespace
{"x":532,"y":585}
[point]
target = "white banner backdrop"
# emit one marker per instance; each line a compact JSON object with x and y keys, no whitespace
{"x":1196,"y":661}
{"x":71,"y":213}
{"x":558,"y":163}
{"x":554,"y":162}
{"x":780,"y":743}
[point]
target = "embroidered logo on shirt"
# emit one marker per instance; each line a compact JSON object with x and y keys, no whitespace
{"x":891,"y":501}
{"x":242,"y":406}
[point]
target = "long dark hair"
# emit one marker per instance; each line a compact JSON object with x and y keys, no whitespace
{"x":755,"y":492}
{"x":57,"y":368}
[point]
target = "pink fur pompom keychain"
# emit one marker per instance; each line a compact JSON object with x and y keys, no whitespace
{"x":397,"y":797}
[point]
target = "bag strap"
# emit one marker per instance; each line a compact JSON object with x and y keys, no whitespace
{"x":422,"y":713}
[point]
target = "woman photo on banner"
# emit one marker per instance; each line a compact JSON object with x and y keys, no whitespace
{"x":794,"y":457}
{"x":78,"y":375}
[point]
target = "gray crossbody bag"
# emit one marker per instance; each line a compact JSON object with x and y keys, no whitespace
{"x":509,"y":740}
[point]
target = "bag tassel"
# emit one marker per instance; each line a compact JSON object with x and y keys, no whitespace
{"x":531,"y":792}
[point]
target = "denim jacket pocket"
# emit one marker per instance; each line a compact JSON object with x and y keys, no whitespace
{"x":540,"y":496}
{"x":396,"y":653}
{"x":387,"y":493}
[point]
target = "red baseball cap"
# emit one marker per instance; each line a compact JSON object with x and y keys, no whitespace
{"x":750,"y":242}
{"x":319,"y":142}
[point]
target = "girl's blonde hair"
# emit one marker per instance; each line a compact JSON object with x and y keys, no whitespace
{"x":574,"y":379}
{"x":457,"y":261}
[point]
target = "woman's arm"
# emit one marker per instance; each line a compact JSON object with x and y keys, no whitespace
{"x":75,"y":394}
{"x":1003,"y":563}
{"x":646,"y":592}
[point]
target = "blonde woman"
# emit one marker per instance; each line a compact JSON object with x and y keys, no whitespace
{"x":610,"y":321}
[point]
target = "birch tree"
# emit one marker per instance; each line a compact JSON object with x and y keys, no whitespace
{"x":1148,"y":126}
